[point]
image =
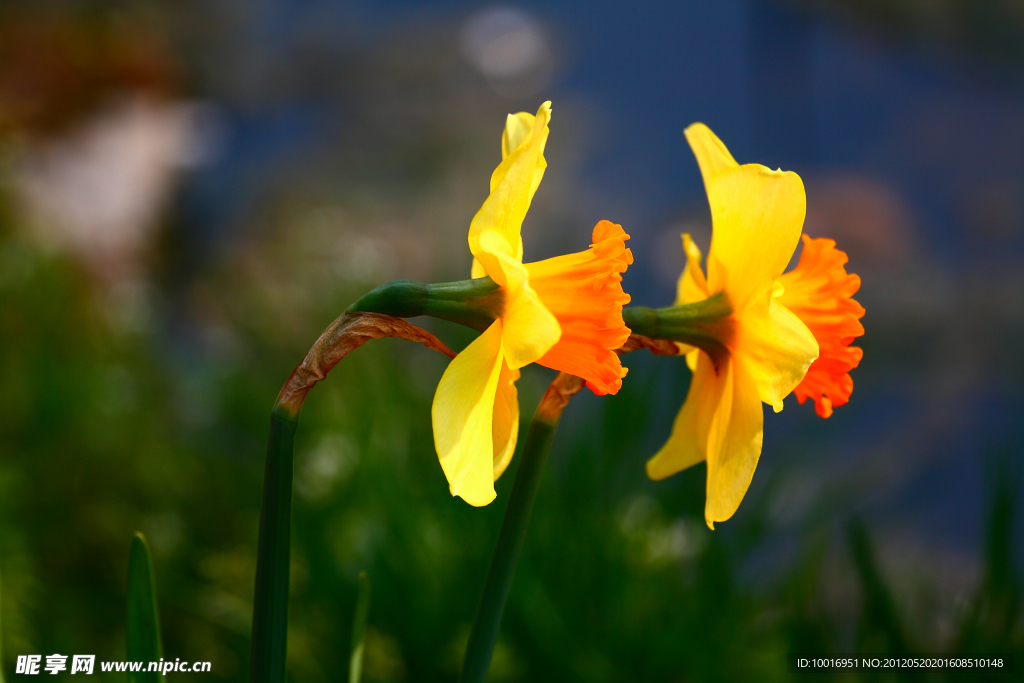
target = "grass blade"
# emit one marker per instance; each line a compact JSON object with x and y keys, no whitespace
{"x":355,"y":665}
{"x":143,"y":627}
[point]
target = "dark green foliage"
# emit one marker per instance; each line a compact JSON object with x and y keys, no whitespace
{"x":880,"y":628}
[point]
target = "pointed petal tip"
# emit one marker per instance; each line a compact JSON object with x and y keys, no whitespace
{"x":544,"y":112}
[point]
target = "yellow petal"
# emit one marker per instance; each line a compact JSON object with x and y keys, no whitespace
{"x":505,"y":427}
{"x":692,"y":285}
{"x":462,"y":417}
{"x":478,"y":270}
{"x":734,"y":442}
{"x":517,"y":128}
{"x":490,"y":243}
{"x":777,"y":349}
{"x":691,"y":359}
{"x":757,"y":215}
{"x":687,"y":444}
{"x":712,"y":155}
{"x":512,"y":186}
{"x":530,"y":329}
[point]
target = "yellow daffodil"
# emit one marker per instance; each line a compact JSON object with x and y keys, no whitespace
{"x":757,"y":217}
{"x":564,"y":313}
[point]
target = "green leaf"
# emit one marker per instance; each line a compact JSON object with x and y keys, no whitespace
{"x":355,"y":666}
{"x":143,"y":632}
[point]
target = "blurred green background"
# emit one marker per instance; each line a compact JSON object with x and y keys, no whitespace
{"x":191,"y":191}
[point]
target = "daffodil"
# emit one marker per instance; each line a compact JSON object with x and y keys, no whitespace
{"x":762,"y":349}
{"x":564,"y":313}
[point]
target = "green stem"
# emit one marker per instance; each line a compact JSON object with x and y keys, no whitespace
{"x":510,"y":541}
{"x":706,"y":324}
{"x":473,"y":303}
{"x":355,"y":664}
{"x":270,"y":604}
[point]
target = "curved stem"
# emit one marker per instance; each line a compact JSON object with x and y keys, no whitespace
{"x":513,"y":527}
{"x":273,"y":554}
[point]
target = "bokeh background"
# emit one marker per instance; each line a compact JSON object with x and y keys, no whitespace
{"x":190,"y":191}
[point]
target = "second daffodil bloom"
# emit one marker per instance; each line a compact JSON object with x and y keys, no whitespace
{"x":773,"y":328}
{"x":564,"y":313}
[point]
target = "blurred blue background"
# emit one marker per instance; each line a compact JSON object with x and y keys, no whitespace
{"x":190,"y":192}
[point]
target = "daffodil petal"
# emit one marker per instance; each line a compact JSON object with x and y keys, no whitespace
{"x":691,"y":354}
{"x":517,"y":129}
{"x":687,"y":445}
{"x":757,"y":215}
{"x":530,"y":329}
{"x":692,"y":285}
{"x":505,"y":427}
{"x":478,"y":269}
{"x":777,"y":348}
{"x":490,"y":243}
{"x":712,"y":155}
{"x":462,"y":417}
{"x":512,"y":185}
{"x":734,"y":442}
